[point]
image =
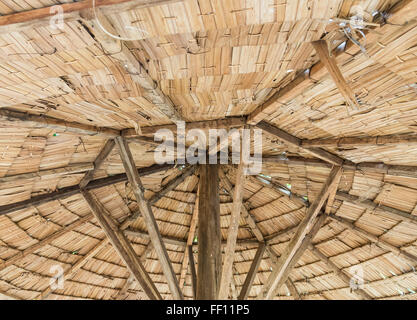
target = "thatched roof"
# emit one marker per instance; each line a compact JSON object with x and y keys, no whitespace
{"x":65,"y":93}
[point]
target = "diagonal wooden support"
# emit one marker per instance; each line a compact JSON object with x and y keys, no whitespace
{"x":131,"y":278}
{"x":192,"y":268}
{"x":74,"y":268}
{"x":45,"y":241}
{"x":341,"y":274}
{"x":58,"y":124}
{"x":108,"y":147}
{"x":294,"y":141}
{"x":146,"y":211}
{"x":190,"y":239}
{"x":370,"y":205}
{"x":123,"y":247}
{"x":120,"y":51}
{"x":250,"y":277}
{"x":209,"y":233}
{"x":49,"y":173}
{"x":330,"y":63}
{"x":375,"y":239}
{"x":400,"y":14}
{"x":304,"y":227}
{"x":227,"y":271}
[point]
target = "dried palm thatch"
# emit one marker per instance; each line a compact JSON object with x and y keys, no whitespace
{"x":79,"y":107}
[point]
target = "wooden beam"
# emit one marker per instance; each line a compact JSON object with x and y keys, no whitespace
{"x":370,"y":205}
{"x":332,"y":195}
{"x":144,"y":235}
{"x":294,"y":141}
{"x":74,"y":268}
{"x":121,"y":52}
{"x":146,"y":210}
{"x":8,"y":296}
{"x":375,"y":239}
{"x":190,"y":240}
{"x":341,"y":274}
{"x":49,"y":173}
{"x":250,"y":277}
{"x":226,"y":123}
{"x":279,"y":188}
{"x":44,"y":121}
{"x":402,"y":139}
{"x":305,"y":225}
{"x":227,"y":271}
{"x":75,"y":189}
{"x":330,"y":64}
{"x":122,"y":247}
{"x":209,"y":235}
{"x":192,"y":268}
{"x":108,"y":147}
{"x":181,"y":242}
{"x":245,"y":212}
{"x":45,"y":241}
{"x":170,"y":186}
{"x":45,"y":12}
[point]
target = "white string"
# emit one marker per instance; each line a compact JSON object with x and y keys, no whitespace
{"x":113,"y":35}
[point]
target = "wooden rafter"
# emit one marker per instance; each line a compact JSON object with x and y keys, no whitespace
{"x":293,"y":289}
{"x":330,"y":64}
{"x":292,"y":140}
{"x":255,"y":230}
{"x":170,"y":186}
{"x":226,"y":123}
{"x":108,"y":147}
{"x":122,"y":246}
{"x":75,"y":267}
{"x":304,"y":227}
{"x":130,"y":279}
{"x":371,"y":205}
{"x":209,"y":235}
{"x":192,"y":269}
{"x":190,"y":240}
{"x":45,"y":12}
{"x":298,"y":254}
{"x":399,"y":14}
{"x":75,"y":189}
{"x":146,"y":211}
{"x":43,"y":121}
{"x":227,"y":270}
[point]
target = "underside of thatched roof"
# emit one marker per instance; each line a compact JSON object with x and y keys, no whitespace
{"x":326,"y":95}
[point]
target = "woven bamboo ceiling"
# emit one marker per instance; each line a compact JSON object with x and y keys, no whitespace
{"x":332,"y":101}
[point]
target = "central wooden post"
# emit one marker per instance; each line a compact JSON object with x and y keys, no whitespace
{"x":209,"y":235}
